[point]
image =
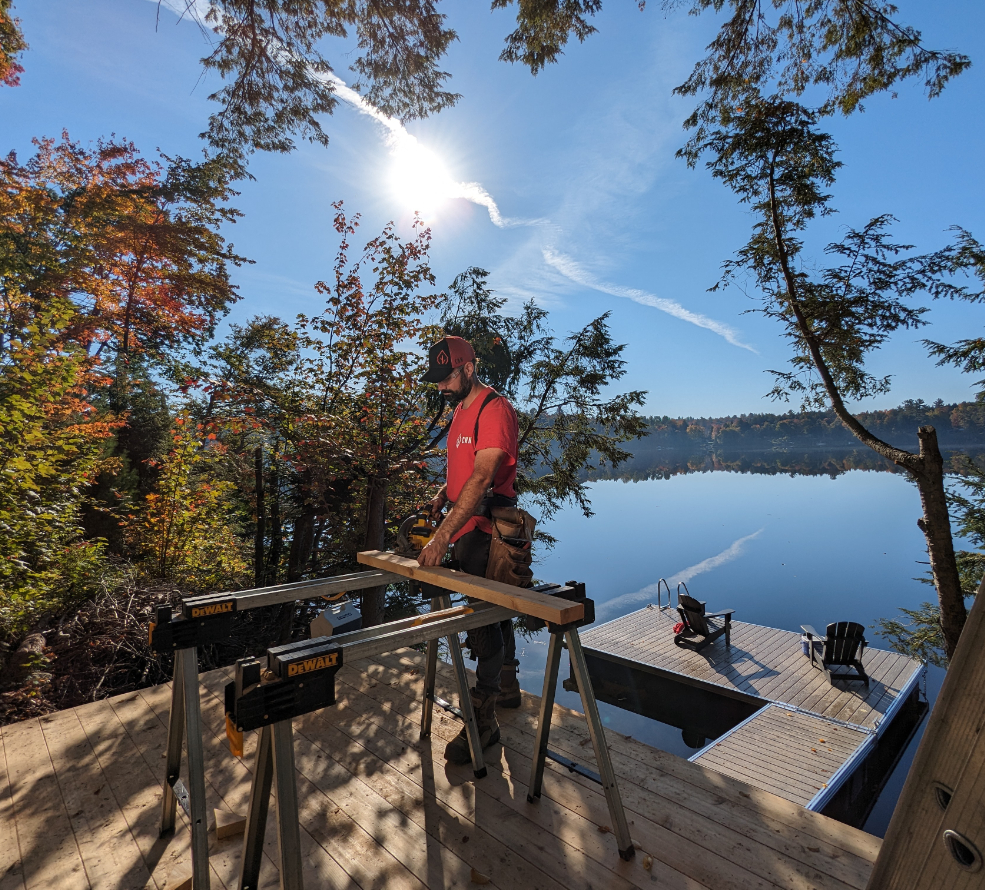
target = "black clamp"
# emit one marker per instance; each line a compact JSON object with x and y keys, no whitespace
{"x":300,"y":678}
{"x":166,"y":634}
{"x":572,"y":591}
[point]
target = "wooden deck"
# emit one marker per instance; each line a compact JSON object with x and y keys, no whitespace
{"x":80,"y":799}
{"x":762,"y":662}
{"x":790,"y":753}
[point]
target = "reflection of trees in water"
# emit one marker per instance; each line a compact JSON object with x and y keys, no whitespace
{"x":663,"y":463}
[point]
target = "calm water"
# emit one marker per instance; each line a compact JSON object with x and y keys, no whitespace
{"x":780,"y":550}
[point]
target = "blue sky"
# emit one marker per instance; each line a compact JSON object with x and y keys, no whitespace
{"x":582,"y":156}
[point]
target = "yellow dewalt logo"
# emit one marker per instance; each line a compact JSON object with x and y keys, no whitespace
{"x":313,"y":664}
{"x":213,"y":609}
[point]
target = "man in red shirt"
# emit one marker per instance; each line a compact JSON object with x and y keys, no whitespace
{"x":482,"y":455}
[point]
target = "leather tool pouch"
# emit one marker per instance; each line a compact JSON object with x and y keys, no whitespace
{"x":510,"y":550}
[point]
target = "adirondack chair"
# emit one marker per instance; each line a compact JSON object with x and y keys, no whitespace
{"x":698,"y":632}
{"x":841,"y":647}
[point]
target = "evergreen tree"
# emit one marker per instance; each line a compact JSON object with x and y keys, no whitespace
{"x":770,"y":152}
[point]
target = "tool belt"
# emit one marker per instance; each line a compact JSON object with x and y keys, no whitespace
{"x":511,"y":547}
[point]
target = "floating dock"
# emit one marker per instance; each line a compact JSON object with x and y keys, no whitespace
{"x":80,"y":802}
{"x":793,"y":732}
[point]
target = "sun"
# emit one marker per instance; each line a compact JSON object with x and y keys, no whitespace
{"x":419,"y":178}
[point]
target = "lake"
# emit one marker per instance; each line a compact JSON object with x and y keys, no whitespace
{"x":782,"y":550}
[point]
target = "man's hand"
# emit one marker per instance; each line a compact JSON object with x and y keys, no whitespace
{"x":435,"y":549}
{"x":436,"y":505}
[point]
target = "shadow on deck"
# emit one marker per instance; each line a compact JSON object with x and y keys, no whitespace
{"x":380,"y":808}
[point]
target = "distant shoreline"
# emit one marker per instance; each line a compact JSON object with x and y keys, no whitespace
{"x":959,"y":425}
{"x":647,"y":461}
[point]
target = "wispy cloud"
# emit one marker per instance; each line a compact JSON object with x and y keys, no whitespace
{"x":648,"y":594}
{"x":573,"y":271}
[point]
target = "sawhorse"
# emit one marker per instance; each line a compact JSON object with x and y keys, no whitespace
{"x":208,"y":619}
{"x":269,"y":707}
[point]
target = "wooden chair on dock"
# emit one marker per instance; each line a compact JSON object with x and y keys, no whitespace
{"x":841,"y":647}
{"x":698,"y":632}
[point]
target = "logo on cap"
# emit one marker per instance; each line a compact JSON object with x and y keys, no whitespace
{"x":441,"y":358}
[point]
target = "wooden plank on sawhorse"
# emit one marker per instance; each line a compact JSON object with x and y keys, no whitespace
{"x":516,"y":599}
{"x":206,"y":619}
{"x":300,"y":678}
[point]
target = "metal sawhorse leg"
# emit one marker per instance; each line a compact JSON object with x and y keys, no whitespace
{"x":301,"y":679}
{"x":185,"y":722}
{"x":465,"y":711}
{"x":274,"y":766}
{"x":607,"y":775}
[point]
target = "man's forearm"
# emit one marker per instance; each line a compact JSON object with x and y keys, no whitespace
{"x":484,"y":471}
{"x":464,"y":509}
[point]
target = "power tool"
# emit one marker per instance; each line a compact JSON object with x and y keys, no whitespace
{"x":415,"y":532}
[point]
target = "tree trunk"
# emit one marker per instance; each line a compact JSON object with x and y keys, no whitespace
{"x":927,"y":467}
{"x":276,"y":530}
{"x":301,"y":543}
{"x":374,"y":597}
{"x":260,"y":530}
{"x":936,"y":527}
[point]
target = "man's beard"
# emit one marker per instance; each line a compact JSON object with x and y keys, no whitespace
{"x":454,"y":396}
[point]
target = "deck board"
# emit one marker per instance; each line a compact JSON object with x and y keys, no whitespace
{"x":725,"y":830}
{"x":51,"y":856}
{"x":380,"y":808}
{"x":109,"y":852}
{"x":11,"y":869}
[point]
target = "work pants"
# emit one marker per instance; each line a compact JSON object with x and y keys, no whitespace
{"x":494,"y":644}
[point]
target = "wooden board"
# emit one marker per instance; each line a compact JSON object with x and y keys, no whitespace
{"x":762,"y":662}
{"x":951,"y":755}
{"x":11,"y":870}
{"x":49,"y":849}
{"x":789,"y":753}
{"x":109,"y":852}
{"x":688,"y":822}
{"x":525,"y":602}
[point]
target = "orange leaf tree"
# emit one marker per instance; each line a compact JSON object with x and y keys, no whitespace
{"x":133,"y":244}
{"x":134,"y":250}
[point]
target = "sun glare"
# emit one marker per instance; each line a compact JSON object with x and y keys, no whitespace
{"x":420,"y":179}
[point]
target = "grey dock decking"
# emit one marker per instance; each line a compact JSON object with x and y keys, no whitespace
{"x":80,"y":797}
{"x":768,"y":664}
{"x":787,"y":752}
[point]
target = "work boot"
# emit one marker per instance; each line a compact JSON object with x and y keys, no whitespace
{"x":484,"y":705}
{"x":509,"y":686}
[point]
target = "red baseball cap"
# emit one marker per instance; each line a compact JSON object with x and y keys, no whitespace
{"x":445,"y":356}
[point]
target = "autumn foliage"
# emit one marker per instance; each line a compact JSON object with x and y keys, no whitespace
{"x":108,"y":264}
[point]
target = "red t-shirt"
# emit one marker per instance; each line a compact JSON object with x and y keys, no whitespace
{"x":497,"y":429}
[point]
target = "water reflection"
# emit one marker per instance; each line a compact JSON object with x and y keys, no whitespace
{"x":620,"y":605}
{"x":654,"y":462}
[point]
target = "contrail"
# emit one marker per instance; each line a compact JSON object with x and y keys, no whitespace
{"x":396,"y":137}
{"x":649,"y":593}
{"x":572,"y":270}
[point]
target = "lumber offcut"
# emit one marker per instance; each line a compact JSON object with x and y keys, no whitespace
{"x":526,"y":602}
